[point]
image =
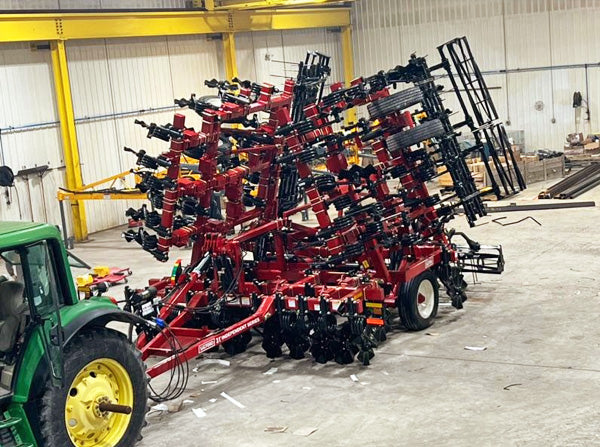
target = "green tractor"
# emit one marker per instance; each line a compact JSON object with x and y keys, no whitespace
{"x":65,"y":378}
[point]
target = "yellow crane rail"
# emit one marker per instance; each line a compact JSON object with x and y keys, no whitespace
{"x":97,"y":25}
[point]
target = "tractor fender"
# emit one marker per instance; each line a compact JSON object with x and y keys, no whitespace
{"x":96,"y":318}
{"x":93,"y":318}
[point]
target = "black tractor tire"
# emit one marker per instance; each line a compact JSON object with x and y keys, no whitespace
{"x":86,"y":347}
{"x":422,"y":132}
{"x":393,"y":103}
{"x":416,"y":310}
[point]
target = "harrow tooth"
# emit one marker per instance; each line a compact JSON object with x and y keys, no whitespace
{"x":379,"y":334}
{"x":345,"y":355}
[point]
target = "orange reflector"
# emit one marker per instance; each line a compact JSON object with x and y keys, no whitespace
{"x":375,"y":322}
{"x":377,"y":305}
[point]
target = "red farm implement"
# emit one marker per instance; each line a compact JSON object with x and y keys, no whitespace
{"x":330,"y":288}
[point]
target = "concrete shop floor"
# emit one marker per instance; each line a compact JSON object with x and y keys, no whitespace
{"x":537,"y":383}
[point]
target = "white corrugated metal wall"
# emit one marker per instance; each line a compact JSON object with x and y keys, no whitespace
{"x":272,"y":56}
{"x":29,"y":135}
{"x":504,"y":34}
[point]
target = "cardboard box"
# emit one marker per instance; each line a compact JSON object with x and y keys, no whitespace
{"x":444,"y":180}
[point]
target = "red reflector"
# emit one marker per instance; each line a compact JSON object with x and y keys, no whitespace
{"x":114,"y":300}
{"x":375,"y":322}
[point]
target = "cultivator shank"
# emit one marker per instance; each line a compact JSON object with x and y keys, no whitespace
{"x":329,"y":288}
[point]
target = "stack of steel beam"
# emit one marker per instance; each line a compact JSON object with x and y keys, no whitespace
{"x":574,"y":185}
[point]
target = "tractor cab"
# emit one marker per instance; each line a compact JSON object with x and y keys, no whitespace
{"x":31,"y":293}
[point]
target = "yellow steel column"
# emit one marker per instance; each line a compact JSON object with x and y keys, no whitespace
{"x":348,"y":56}
{"x":209,"y":5}
{"x":231,"y":69}
{"x":64,"y":102}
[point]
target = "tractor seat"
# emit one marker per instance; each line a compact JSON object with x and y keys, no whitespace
{"x":12,"y":312}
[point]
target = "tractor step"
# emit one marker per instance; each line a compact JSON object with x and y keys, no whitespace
{"x":8,"y":434}
{"x":10,"y":422}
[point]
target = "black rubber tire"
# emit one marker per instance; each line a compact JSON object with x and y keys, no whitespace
{"x":86,"y":347}
{"x":422,"y":132}
{"x":408,"y":302}
{"x":393,"y":103}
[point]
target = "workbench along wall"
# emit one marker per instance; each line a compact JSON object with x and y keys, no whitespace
{"x":504,"y":34}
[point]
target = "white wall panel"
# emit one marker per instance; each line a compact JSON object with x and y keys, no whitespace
{"x":272,"y":56}
{"x":297,"y":42}
{"x":574,"y":35}
{"x":261,"y":56}
{"x":527,"y":41}
{"x":194,"y":59}
{"x":388,"y":31}
{"x":27,"y":99}
{"x":594,"y":93}
{"x":513,"y":34}
{"x":28,"y":4}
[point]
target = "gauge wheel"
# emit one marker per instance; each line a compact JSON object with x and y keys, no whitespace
{"x":100,"y":367}
{"x":418,"y":301}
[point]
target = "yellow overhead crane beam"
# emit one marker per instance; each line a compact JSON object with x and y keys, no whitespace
{"x":96,"y":25}
{"x":60,"y":27}
{"x":262,"y":4}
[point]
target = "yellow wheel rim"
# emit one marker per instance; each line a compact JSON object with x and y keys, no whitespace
{"x":102,"y":380}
